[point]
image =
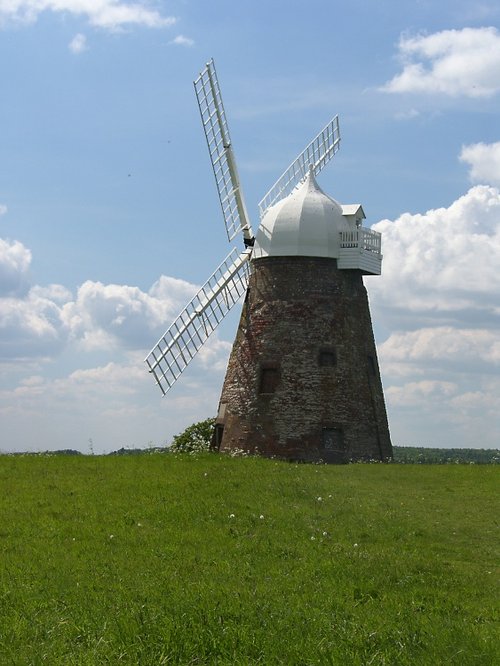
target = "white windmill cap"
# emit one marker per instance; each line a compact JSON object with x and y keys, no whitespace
{"x":305,"y":223}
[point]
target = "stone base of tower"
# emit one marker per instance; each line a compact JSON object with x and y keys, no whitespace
{"x":303,"y":379}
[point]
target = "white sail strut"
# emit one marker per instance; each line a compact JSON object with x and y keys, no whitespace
{"x":189,"y":332}
{"x":318,"y":153}
{"x":216,"y":129}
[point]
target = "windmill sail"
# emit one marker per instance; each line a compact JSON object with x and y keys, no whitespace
{"x":216,"y":129}
{"x":180,"y":343}
{"x":318,"y":153}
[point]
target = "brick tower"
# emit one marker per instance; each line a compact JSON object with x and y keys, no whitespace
{"x":303,"y":379}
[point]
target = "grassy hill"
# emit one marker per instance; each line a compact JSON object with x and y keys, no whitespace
{"x":178,"y":559}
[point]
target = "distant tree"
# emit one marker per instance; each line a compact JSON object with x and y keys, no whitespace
{"x":423,"y":455}
{"x":195,"y":438}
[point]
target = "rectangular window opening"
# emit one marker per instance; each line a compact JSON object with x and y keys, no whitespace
{"x":269,"y":378}
{"x":332,"y":439}
{"x":327,"y":358}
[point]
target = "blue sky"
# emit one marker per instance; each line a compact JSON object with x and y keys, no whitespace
{"x":109,"y":217}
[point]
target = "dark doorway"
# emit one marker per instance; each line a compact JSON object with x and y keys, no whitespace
{"x":217,"y":437}
{"x":332,"y":441}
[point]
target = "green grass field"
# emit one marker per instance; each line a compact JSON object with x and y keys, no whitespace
{"x":164,"y":559}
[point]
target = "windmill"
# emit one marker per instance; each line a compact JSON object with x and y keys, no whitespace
{"x":303,"y":380}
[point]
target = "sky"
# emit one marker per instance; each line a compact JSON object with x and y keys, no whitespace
{"x":110,"y":221}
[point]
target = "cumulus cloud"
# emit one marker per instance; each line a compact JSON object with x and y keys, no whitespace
{"x":434,"y":412}
{"x":484,"y":162}
{"x":119,"y":315}
{"x":442,"y":264}
{"x":31,"y":327}
{"x":451,"y":62}
{"x":483,"y":402}
{"x":422,"y":393}
{"x":39,"y":321}
{"x":68,"y":410}
{"x":107,"y":317}
{"x":52,"y":292}
{"x":15,"y":260}
{"x":180,"y":40}
{"x":444,"y":345}
{"x":214,"y":354}
{"x":177,"y":292}
{"x":78,"y":44}
{"x":107,"y":14}
{"x":31,"y":321}
{"x":438,"y":295}
{"x":105,"y":406}
{"x":113,"y":378}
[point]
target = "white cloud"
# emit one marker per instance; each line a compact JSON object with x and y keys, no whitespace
{"x":3,"y":209}
{"x":53,"y":292}
{"x":107,"y":14}
{"x":451,"y":62}
{"x":214,"y":354}
{"x":484,"y":161}
{"x":180,"y":40}
{"x":481,"y":403}
{"x":434,"y":412}
{"x":30,"y":327}
{"x":108,"y":404}
{"x":177,"y":292}
{"x":112,"y":378}
{"x":443,"y":345}
{"x":78,"y":44}
{"x":78,"y":404}
{"x":118,"y":315}
{"x":442,"y":265}
{"x":438,"y":294}
{"x":114,"y":405}
{"x":31,"y":322}
{"x":38,"y":321}
{"x":15,"y":260}
{"x":422,"y":393}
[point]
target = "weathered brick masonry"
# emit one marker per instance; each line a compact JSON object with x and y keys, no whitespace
{"x":303,"y":380}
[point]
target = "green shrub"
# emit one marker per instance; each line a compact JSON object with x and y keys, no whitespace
{"x":195,"y":438}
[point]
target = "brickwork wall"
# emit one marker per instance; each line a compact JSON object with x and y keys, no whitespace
{"x":296,"y":308}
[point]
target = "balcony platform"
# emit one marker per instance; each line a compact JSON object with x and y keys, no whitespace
{"x":360,"y":249}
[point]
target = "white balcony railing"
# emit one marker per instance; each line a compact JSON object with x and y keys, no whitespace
{"x":361,"y":239}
